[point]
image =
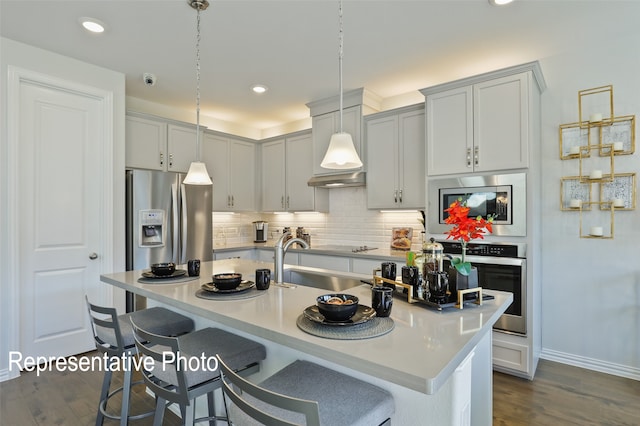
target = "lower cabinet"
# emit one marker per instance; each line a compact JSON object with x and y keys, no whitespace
{"x":511,"y":354}
{"x":234,"y":254}
{"x":334,"y":263}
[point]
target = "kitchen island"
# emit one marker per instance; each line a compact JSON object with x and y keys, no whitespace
{"x":437,"y":364}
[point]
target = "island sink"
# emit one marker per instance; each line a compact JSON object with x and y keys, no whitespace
{"x":319,"y":280}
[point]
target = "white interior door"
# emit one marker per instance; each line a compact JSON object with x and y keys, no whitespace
{"x":61,"y":136}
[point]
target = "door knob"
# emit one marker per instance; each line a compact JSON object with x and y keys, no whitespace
{"x":93,"y":256}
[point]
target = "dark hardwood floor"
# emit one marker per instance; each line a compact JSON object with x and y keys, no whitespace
{"x":560,"y":395}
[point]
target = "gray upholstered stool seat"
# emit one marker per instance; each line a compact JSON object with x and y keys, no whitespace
{"x":113,"y":336}
{"x":179,"y":382}
{"x":157,"y":320}
{"x":341,"y":399}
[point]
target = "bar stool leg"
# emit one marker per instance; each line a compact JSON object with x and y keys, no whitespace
{"x":106,"y":383}
{"x":126,"y":394}
{"x":212,"y":409}
{"x":159,"y":414}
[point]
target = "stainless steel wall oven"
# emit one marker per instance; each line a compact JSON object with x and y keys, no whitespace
{"x":501,"y":266}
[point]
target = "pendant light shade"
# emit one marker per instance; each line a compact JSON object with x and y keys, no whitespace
{"x":198,"y":174}
{"x":341,"y":153}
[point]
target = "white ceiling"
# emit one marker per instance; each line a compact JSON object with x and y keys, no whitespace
{"x":391,"y":47}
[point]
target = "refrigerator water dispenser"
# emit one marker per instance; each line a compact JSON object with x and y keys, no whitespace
{"x":151,"y":228}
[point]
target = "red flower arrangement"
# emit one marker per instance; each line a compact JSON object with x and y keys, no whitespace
{"x":464,"y":230}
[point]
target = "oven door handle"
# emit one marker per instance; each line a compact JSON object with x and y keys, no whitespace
{"x":488,"y":260}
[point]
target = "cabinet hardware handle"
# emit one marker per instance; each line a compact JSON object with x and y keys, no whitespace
{"x":401,"y":195}
{"x":233,"y":201}
{"x":395,"y":196}
{"x":476,"y":155}
{"x":468,"y":157}
{"x":93,"y":256}
{"x":282,"y":201}
{"x":228,"y":200}
{"x":287,"y":201}
{"x":170,"y":160}
{"x":161,"y":159}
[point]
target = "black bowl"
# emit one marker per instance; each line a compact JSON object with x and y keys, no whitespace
{"x":163,"y":269}
{"x":337,"y":307}
{"x":227,"y":281}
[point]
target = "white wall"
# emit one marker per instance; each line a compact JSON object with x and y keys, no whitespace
{"x":591,"y":287}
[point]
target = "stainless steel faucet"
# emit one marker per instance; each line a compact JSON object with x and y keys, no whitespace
{"x":279,"y":251}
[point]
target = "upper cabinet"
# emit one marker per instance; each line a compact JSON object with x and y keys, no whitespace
{"x":286,"y":168}
{"x":326,"y":125}
{"x":231,"y":162}
{"x":483,"y":123}
{"x":156,"y":144}
{"x":325,"y":121}
{"x":395,"y":159}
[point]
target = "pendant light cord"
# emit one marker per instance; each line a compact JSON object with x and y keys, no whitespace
{"x":340,"y":54}
{"x":198,"y":84}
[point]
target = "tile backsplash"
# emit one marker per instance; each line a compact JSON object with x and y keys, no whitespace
{"x":349,"y":222}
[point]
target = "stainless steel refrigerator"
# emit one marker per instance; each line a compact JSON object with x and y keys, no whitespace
{"x":166,"y":221}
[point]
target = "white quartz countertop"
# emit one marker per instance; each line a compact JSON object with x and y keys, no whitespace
{"x":420,"y":353}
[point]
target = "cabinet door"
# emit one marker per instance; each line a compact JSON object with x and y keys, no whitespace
{"x":273,"y":176}
{"x":181,"y":147}
{"x":299,"y":161}
{"x":411,"y":155}
{"x":450,"y":131}
{"x":382,"y":162}
{"x":322,"y":128}
{"x":242,"y":175}
{"x":215,"y":154}
{"x":501,"y":123}
{"x":145,"y":143}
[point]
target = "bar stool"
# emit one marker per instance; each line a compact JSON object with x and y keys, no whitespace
{"x":304,"y":393}
{"x":185,"y":367}
{"x":113,"y":336}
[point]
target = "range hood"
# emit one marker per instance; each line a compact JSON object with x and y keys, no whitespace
{"x":340,"y":180}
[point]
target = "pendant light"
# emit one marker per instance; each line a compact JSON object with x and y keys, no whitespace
{"x":341,"y":153}
{"x":198,"y":174}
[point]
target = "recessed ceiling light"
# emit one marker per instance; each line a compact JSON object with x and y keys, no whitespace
{"x":92,"y":24}
{"x":499,"y":2}
{"x":259,"y":88}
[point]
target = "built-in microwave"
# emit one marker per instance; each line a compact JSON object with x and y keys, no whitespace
{"x":504,"y":197}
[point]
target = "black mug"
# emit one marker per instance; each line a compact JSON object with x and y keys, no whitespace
{"x":193,"y":267}
{"x":410,"y":275}
{"x":263,"y":278}
{"x":382,"y":300}
{"x":389,"y":272}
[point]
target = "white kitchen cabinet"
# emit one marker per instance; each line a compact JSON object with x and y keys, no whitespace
{"x":286,"y":168}
{"x":483,"y":123}
{"x":325,"y":125}
{"x":156,"y":144}
{"x":231,"y":162}
{"x":395,"y":159}
{"x":247,"y":254}
{"x":333,"y":263}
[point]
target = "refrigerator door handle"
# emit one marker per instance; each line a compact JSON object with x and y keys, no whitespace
{"x":175,"y":222}
{"x":185,"y":225}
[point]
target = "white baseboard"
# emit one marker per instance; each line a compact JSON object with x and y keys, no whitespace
{"x":591,"y":364}
{"x":7,"y":374}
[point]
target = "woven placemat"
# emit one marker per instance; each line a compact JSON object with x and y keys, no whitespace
{"x":373,"y":328}
{"x":177,"y":280}
{"x":252,"y":292}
